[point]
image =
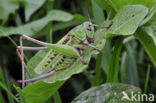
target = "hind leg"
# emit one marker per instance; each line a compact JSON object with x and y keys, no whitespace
{"x":21,"y":55}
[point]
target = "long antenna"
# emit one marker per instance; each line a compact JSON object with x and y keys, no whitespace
{"x":89,"y":18}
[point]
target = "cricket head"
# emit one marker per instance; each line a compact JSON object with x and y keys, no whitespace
{"x":89,"y":31}
{"x":83,"y":32}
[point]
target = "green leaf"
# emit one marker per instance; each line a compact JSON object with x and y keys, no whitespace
{"x":106,"y":56}
{"x":39,"y":92}
{"x":114,"y":62}
{"x":127,"y":20}
{"x":104,"y":4}
{"x":149,"y":16}
{"x":148,"y":44}
{"x":55,"y":81}
{"x":77,"y":19}
{"x":151,"y":32}
{"x":107,"y":93}
{"x":31,"y":6}
{"x":8,"y":7}
{"x":118,"y":4}
{"x":98,"y":15}
{"x":34,"y":27}
{"x":147,"y":36}
{"x":150,"y":27}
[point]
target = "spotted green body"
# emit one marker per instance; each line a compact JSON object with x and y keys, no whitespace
{"x":58,"y":60}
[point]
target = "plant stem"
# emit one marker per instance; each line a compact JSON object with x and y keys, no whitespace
{"x":57,"y":97}
{"x":112,"y":75}
{"x":147,"y":78}
{"x":50,"y":4}
{"x":98,"y":70}
{"x":8,"y":92}
{"x":49,"y":33}
{"x":6,"y":82}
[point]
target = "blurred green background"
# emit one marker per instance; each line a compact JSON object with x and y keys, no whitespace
{"x":30,"y":13}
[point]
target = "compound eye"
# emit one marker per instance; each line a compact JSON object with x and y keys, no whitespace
{"x":89,"y":28}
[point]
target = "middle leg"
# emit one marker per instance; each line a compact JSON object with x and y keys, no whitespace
{"x":78,"y":54}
